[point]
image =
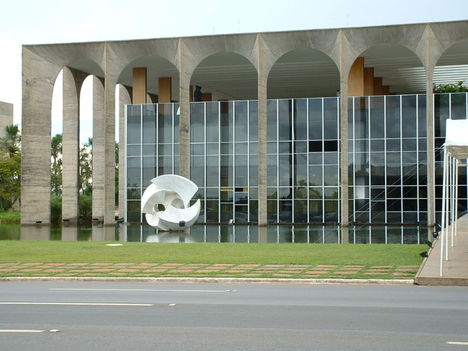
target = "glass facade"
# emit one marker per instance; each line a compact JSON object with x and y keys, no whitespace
{"x":448,"y":106}
{"x":387,"y":157}
{"x":303,"y":160}
{"x":224,"y":160}
{"x":152,"y":150}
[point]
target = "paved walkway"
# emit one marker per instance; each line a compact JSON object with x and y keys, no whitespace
{"x":455,"y":270}
{"x":203,"y":270}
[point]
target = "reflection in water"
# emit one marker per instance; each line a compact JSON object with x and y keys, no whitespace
{"x":36,"y":232}
{"x":223,"y":233}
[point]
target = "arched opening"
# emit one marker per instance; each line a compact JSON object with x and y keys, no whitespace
{"x":387,"y":138}
{"x":224,"y":138}
{"x":303,"y":139}
{"x":75,"y":108}
{"x":154,"y":77}
{"x":151,"y":134}
{"x":450,"y":80}
{"x":224,"y":76}
{"x":303,"y":73}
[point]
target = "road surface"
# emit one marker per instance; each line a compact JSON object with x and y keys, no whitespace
{"x":162,"y":316}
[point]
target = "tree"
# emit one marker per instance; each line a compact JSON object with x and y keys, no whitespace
{"x":10,"y":167}
{"x":56,"y":166}
{"x":86,"y":169}
{"x":457,"y":87}
{"x":11,"y":142}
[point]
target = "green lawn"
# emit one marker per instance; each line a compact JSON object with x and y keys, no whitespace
{"x":311,"y":254}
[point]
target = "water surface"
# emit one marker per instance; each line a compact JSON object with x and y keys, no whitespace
{"x":223,"y":233}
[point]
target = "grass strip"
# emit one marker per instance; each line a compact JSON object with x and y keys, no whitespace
{"x":210,"y":253}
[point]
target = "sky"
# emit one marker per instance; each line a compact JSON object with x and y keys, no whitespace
{"x":62,"y":21}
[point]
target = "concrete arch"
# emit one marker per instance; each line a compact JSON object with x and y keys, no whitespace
{"x":122,"y":54}
{"x":279,"y":44}
{"x":383,"y":69}
{"x":325,"y":66}
{"x":454,"y":55}
{"x":444,"y":36}
{"x":85,"y":57}
{"x":219,"y":68}
{"x":197,"y":49}
{"x":358,"y":40}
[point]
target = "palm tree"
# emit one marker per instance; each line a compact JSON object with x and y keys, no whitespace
{"x":11,"y":141}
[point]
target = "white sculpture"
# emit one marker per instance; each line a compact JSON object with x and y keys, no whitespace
{"x":166,"y":202}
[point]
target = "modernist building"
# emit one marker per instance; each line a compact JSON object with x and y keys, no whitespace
{"x":314,"y":126}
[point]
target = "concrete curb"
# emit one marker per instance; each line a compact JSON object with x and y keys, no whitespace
{"x":221,"y":280}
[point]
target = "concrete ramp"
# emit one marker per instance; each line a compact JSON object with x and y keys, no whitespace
{"x":455,"y":270}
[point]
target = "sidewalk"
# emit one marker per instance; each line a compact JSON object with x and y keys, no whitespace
{"x":151,"y":270}
{"x":455,"y":270}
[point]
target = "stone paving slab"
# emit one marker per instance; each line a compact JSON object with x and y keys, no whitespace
{"x":149,"y":269}
{"x":455,"y":270}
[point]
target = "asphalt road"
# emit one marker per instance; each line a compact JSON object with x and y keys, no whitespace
{"x":149,"y":316}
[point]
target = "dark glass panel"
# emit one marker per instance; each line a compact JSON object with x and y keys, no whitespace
{"x":409,"y":128}
{"x":165,"y":132}
{"x":315,"y":119}
{"x":300,"y":119}
{"x":133,"y":124}
{"x":272,"y":120}
{"x":212,"y":122}
{"x":197,"y":118}
{"x":393,"y":124}
{"x":377,"y":117}
{"x":330,"y":127}
{"x":285,"y":120}
{"x":149,"y":124}
{"x":253,"y":120}
{"x":133,"y":172}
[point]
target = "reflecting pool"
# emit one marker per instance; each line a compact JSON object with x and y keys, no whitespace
{"x":223,"y":234}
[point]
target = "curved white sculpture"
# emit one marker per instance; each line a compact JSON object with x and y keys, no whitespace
{"x":166,"y":202}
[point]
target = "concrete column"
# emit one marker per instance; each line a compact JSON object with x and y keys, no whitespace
{"x":262,"y":149}
{"x":165,"y":90}
{"x":99,"y":132}
{"x":38,"y":82}
{"x":124,"y":99}
{"x":140,"y":88}
{"x":72,"y":81}
{"x":184,"y":124}
{"x":344,"y":186}
{"x":6,"y":117}
{"x":109,"y":143}
{"x":430,"y":149}
{"x":356,"y":78}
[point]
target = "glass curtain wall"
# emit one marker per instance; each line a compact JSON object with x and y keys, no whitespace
{"x":152,"y":150}
{"x":387,"y":157}
{"x":224,"y":160}
{"x":449,"y":106}
{"x":303,"y":160}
